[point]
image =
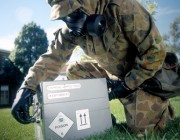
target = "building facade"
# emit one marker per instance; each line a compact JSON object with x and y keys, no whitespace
{"x":5,"y":98}
{"x":8,"y":92}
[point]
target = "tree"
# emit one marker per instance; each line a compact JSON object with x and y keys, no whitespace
{"x":11,"y":72}
{"x":150,"y":5}
{"x":175,"y":34}
{"x":29,"y":45}
{"x":172,"y":40}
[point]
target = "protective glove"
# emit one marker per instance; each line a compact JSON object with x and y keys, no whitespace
{"x":152,"y":86}
{"x":21,"y":105}
{"x":118,"y":89}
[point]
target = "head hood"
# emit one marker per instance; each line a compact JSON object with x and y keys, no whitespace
{"x":61,"y":8}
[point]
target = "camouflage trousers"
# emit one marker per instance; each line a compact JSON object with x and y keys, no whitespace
{"x":143,"y":111}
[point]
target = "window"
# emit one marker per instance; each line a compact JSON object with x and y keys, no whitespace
{"x":4,"y":95}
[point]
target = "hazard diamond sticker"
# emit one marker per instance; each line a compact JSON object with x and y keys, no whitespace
{"x":61,"y":124}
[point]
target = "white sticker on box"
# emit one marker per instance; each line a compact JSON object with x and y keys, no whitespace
{"x":83,"y":119}
{"x":58,"y":95}
{"x":61,"y":124}
{"x":63,"y":87}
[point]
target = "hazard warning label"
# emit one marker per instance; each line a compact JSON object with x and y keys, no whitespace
{"x":83,"y":119}
{"x":61,"y":124}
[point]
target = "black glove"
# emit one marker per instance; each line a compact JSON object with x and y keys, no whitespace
{"x":118,"y":89}
{"x":21,"y":105}
{"x":152,"y":86}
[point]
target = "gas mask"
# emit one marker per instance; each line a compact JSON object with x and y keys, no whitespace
{"x":80,"y":24}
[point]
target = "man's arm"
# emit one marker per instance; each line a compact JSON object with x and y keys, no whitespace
{"x":48,"y":66}
{"x":140,"y":30}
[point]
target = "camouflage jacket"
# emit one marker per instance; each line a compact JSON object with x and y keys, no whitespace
{"x":131,"y":47}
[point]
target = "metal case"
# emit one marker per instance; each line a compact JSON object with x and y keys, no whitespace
{"x":73,"y":109}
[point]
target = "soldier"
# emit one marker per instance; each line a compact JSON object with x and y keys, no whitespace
{"x":121,"y":37}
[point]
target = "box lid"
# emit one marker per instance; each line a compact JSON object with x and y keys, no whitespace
{"x":73,"y":90}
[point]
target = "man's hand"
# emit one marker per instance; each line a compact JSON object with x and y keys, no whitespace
{"x":152,"y":86}
{"x":21,"y":105}
{"x":118,"y":89}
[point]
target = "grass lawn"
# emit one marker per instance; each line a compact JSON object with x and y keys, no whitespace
{"x":12,"y":130}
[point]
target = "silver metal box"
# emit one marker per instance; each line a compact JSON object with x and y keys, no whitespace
{"x":73,"y":109}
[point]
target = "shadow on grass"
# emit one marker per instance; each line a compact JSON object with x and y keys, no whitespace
{"x":120,"y":132}
{"x":171,"y":132}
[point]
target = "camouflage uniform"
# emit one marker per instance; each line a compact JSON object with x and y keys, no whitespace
{"x":130,"y":49}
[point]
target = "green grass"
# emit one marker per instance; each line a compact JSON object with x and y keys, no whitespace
{"x":12,"y":130}
{"x":172,"y":131}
